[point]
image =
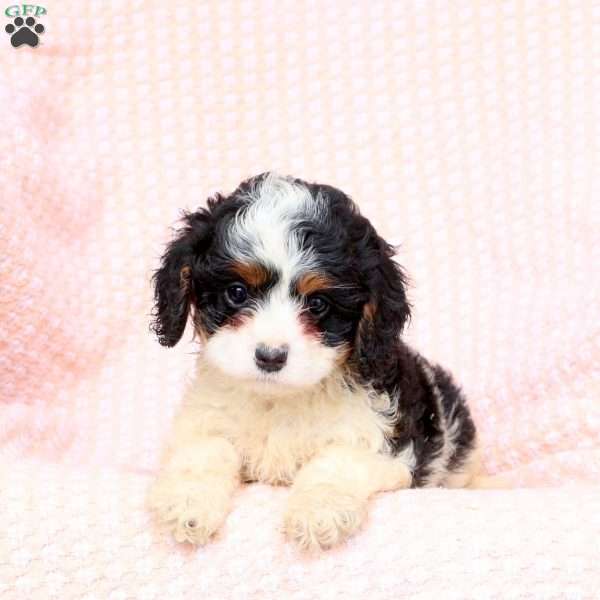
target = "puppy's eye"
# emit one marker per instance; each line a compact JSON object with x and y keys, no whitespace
{"x":236,"y":294}
{"x":317,"y":305}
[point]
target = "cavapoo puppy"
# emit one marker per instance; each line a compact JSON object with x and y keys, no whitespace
{"x":302,"y":377}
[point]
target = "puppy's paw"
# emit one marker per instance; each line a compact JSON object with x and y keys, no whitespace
{"x":191,"y":510}
{"x":322,"y":517}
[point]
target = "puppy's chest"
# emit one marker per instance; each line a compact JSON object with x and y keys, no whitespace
{"x":275,"y":439}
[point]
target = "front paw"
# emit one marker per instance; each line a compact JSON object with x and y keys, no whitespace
{"x":322,"y":517}
{"x":192,"y":510}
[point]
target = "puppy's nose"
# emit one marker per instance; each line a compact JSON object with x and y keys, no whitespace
{"x":270,"y":359}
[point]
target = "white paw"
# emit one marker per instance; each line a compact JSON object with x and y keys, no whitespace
{"x":191,"y":510}
{"x":322,"y":517}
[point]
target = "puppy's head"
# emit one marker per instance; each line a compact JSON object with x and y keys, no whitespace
{"x":286,"y":282}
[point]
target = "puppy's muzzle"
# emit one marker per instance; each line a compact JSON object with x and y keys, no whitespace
{"x":270,"y":359}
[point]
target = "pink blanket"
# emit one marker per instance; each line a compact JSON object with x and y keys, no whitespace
{"x":469,"y":135}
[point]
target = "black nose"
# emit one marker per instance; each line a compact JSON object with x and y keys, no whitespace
{"x":270,"y":359}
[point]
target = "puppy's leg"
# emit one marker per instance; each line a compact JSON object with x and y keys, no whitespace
{"x":192,"y":495}
{"x":329,"y":496}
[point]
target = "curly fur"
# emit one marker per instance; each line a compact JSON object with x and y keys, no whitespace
{"x":351,"y":410}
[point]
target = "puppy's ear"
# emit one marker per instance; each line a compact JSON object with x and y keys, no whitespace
{"x":386,"y":312}
{"x":173,"y":282}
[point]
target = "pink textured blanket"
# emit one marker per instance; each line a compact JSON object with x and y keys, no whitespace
{"x":467,"y":133}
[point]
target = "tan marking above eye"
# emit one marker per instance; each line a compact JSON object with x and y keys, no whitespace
{"x":253,"y":274}
{"x":313,"y":282}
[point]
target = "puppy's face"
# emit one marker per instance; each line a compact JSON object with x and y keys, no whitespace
{"x":284,"y":280}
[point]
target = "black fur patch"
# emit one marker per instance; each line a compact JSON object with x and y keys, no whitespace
{"x":423,"y":421}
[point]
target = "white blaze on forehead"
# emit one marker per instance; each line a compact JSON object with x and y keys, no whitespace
{"x":264,"y":231}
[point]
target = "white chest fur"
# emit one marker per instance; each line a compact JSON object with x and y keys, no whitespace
{"x":276,"y":433}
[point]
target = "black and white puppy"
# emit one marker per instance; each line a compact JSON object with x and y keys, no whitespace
{"x":302,"y":377}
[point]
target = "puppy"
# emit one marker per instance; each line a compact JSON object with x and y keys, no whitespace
{"x":302,"y":377}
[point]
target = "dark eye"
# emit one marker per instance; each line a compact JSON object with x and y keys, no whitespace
{"x":317,"y":305}
{"x":236,"y":294}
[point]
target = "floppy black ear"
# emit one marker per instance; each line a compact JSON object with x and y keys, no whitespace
{"x":173,"y":282}
{"x":385,"y":313}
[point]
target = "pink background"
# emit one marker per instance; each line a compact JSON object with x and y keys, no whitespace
{"x":468,"y":133}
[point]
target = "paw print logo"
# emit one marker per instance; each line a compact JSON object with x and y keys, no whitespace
{"x":24,"y":32}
